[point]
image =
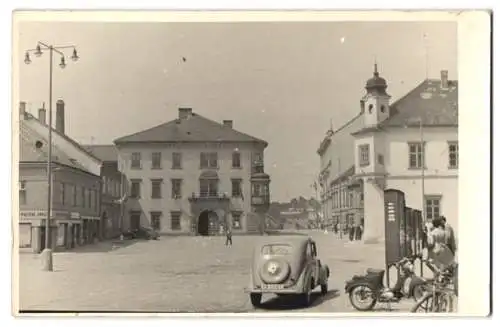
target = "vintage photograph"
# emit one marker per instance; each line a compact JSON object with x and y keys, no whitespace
{"x":237,"y":167}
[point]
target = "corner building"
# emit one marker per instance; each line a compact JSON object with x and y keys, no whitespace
{"x":194,"y":176}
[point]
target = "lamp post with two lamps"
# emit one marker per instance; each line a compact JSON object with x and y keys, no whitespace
{"x":47,"y":264}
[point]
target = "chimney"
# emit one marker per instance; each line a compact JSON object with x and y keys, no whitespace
{"x":42,"y":115}
{"x":228,"y":123}
{"x":185,"y":113}
{"x":444,"y":79}
{"x":22,"y":108}
{"x":60,"y":116}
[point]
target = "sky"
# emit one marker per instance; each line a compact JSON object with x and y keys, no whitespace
{"x":284,"y":82}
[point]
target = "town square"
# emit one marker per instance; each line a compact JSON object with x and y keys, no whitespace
{"x":250,"y":167}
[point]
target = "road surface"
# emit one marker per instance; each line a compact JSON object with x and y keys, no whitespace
{"x":180,"y":274}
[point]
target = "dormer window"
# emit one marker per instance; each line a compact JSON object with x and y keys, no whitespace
{"x":370,"y":108}
{"x":382,"y":108}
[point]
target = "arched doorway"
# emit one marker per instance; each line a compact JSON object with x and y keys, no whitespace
{"x":208,"y":223}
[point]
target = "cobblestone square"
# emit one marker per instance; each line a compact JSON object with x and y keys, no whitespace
{"x":180,"y":274}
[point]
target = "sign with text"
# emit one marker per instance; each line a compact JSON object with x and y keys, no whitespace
{"x":32,"y":214}
{"x":394,"y":216}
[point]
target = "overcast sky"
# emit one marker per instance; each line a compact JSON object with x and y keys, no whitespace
{"x":282,"y":82}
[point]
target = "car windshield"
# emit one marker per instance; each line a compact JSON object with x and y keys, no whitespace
{"x":279,"y":249}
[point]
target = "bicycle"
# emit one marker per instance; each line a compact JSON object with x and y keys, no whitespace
{"x":439,"y":297}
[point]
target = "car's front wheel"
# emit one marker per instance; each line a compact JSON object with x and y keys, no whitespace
{"x":255,"y":298}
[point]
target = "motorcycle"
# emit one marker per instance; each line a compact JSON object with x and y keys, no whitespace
{"x":365,"y":291}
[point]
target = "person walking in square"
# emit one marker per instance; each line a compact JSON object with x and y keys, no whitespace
{"x":229,"y":237}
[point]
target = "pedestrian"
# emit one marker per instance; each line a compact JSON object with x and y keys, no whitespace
{"x":351,"y":232}
{"x":229,"y":237}
{"x":450,"y":236}
{"x":439,"y":253}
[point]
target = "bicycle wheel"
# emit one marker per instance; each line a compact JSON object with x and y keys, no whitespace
{"x":445,"y":302}
{"x":425,"y":304}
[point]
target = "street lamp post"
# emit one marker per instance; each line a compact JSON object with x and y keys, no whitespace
{"x":47,"y":264}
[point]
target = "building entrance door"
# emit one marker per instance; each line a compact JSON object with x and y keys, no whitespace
{"x":135,"y":221}
{"x":208,"y":223}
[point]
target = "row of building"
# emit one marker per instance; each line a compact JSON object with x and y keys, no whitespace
{"x":190,"y":176}
{"x":410,"y":144}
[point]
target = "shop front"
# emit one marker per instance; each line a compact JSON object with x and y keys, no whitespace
{"x":65,"y":229}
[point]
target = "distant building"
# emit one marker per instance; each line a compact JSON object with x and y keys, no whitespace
{"x":341,"y":202}
{"x":75,"y":186}
{"x":114,"y":189}
{"x":194,"y":176}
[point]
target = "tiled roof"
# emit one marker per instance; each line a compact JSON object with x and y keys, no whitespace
{"x":196,"y":128}
{"x":107,"y":153}
{"x":29,"y":116}
{"x":436,"y":106}
{"x":28,"y":152}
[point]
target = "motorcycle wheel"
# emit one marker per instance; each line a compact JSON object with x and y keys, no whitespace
{"x":362,"y":298}
{"x":418,"y":292}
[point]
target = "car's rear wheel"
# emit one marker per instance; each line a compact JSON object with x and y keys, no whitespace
{"x":255,"y":298}
{"x":305,"y":298}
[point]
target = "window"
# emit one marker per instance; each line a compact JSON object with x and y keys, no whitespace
{"x":453,"y":155}
{"x":96,"y":199}
{"x":89,"y":198}
{"x":62,"y":191}
{"x":176,"y":160}
{"x":256,"y":190}
{"x":209,"y":187}
{"x":74,"y":200}
{"x":335,"y":199}
{"x":382,"y":108}
{"x":22,"y":193}
{"x":104,"y":184}
{"x":109,"y":186}
{"x":236,"y":160}
{"x":24,"y":235}
{"x":175,"y":220}
{"x":136,"y":160}
{"x":208,"y":160}
{"x":83,"y":197}
{"x":432,"y":206}
{"x":236,"y":220}
{"x":156,"y":160}
{"x":135,"y":188}
{"x":351,"y":200}
{"x":257,"y":157}
{"x":236,"y":188}
{"x":364,"y":154}
{"x":156,"y":220}
{"x":370,"y":108}
{"x":380,"y":159}
{"x":176,"y":188}
{"x":156,"y":188}
{"x":415,"y":155}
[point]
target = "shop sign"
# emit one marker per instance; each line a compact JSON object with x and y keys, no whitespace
{"x":75,"y":215}
{"x":32,"y":214}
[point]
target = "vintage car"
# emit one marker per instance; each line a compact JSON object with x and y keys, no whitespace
{"x":287,"y":266}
